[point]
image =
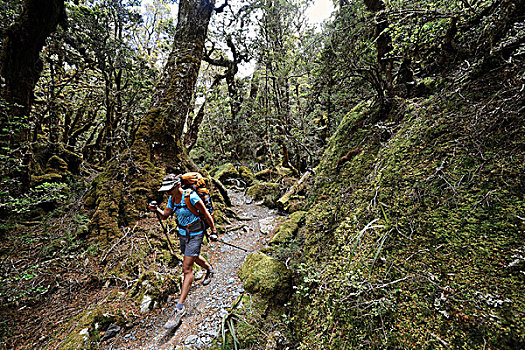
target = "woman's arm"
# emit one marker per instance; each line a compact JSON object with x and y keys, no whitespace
{"x":164,"y":214}
{"x":206,"y":216}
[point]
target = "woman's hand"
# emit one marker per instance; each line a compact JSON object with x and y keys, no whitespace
{"x":153,"y":206}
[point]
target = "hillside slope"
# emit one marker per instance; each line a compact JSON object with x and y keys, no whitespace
{"x":418,"y":241}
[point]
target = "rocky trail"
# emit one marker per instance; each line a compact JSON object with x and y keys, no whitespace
{"x":206,"y":305}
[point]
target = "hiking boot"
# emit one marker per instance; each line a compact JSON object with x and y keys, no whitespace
{"x":175,"y":320}
{"x":208,"y":277}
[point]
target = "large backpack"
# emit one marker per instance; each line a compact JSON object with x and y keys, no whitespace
{"x":196,"y":182}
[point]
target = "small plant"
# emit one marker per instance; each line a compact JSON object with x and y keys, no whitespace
{"x":46,"y":192}
{"x":27,"y":274}
{"x":228,"y":324}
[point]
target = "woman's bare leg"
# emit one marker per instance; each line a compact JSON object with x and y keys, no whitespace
{"x":202,"y":263}
{"x":187,"y":270}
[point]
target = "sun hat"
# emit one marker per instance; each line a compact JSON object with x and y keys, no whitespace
{"x":169,"y":182}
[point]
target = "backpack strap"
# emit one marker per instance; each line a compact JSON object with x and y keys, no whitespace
{"x":190,"y":206}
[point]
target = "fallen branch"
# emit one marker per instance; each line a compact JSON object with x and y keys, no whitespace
{"x":118,"y":242}
{"x":222,"y":191}
{"x":296,"y":188}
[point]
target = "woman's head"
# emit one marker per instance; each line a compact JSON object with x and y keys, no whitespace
{"x":170,"y":182}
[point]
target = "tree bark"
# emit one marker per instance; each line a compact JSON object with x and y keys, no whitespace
{"x":175,"y":90}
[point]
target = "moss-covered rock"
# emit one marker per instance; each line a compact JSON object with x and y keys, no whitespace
{"x":54,"y":158}
{"x":56,"y":170}
{"x":267,"y":277}
{"x":246,"y":175}
{"x":48,"y":177}
{"x":268,"y":192}
{"x":153,"y":288}
{"x":288,"y":228}
{"x":226,"y":173}
{"x":88,"y":327}
{"x":56,"y":163}
{"x":266,"y":175}
{"x":282,"y":171}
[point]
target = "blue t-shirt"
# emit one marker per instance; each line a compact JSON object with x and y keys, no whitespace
{"x":184,"y":215}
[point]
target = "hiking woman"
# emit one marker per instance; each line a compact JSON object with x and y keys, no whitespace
{"x":191,"y":232}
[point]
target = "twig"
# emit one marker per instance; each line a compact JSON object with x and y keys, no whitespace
{"x":484,"y":198}
{"x":147,"y":240}
{"x":440,"y":340}
{"x":390,"y":283}
{"x":118,"y":242}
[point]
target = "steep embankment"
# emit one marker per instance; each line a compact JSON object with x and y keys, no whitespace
{"x":417,"y":241}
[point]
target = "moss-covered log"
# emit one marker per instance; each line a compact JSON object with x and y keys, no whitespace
{"x":284,"y":202}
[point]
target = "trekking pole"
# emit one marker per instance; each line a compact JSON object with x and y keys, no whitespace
{"x":164,"y":228}
{"x":231,"y":245}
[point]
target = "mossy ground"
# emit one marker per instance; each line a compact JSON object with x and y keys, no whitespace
{"x":88,"y":327}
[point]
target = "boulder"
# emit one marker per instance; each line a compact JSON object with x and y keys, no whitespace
{"x":268,"y":192}
{"x":246,"y":175}
{"x":267,"y":277}
{"x":153,"y":288}
{"x":87,"y":327}
{"x":287,"y":230}
{"x":226,"y":173}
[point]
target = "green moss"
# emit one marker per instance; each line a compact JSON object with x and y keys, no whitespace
{"x":266,"y":276}
{"x":257,"y":320}
{"x":296,"y":203}
{"x":87,"y":327}
{"x":120,"y":194}
{"x":268,"y":192}
{"x":156,"y":286}
{"x":48,"y":177}
{"x":246,"y":175}
{"x":286,"y":231}
{"x":266,"y":175}
{"x":226,"y":172}
{"x":219,"y":215}
{"x":283,"y":171}
{"x":414,"y":235}
{"x":56,"y":163}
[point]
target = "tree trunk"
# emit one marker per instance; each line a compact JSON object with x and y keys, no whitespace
{"x":122,"y":191}
{"x":20,"y":68}
{"x":175,"y":91}
{"x":382,"y":39}
{"x":20,"y":61}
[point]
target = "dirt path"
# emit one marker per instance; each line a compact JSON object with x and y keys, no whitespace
{"x":206,"y":305}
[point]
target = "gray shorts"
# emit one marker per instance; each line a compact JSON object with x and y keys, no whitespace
{"x":193,"y":247}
